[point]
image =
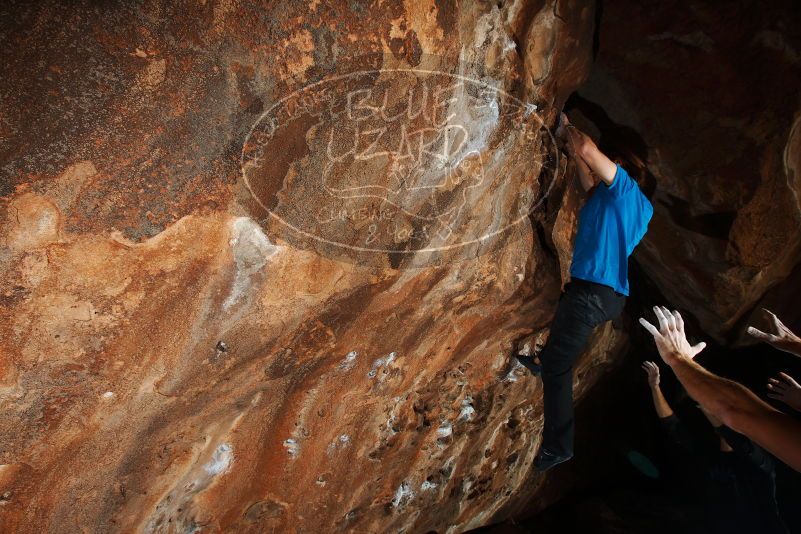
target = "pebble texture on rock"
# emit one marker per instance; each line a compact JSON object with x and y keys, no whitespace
{"x":175,"y":359}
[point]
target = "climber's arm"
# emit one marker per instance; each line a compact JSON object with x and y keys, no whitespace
{"x":585,"y":174}
{"x":585,"y":149}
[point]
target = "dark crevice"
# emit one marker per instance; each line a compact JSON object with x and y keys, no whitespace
{"x":715,"y":225}
{"x":596,"y":35}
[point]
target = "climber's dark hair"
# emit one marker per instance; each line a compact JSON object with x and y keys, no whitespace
{"x":636,"y":167}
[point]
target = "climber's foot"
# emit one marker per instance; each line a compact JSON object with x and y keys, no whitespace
{"x":546,"y":459}
{"x":531,"y":363}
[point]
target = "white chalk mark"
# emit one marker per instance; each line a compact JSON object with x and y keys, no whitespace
{"x":468,"y":411}
{"x":530,"y":108}
{"x":250,"y":248}
{"x":381,"y":362}
{"x":403,"y":494}
{"x":340,"y":443}
{"x":511,"y":376}
{"x":445,"y":429}
{"x":220,"y":460}
{"x":427,"y":486}
{"x":349,"y":361}
{"x":292,"y":447}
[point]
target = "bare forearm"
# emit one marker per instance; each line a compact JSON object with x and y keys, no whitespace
{"x":661,"y":406}
{"x":717,"y":395}
{"x":585,"y":175}
{"x":739,"y":409}
{"x":736,"y":406}
{"x":586,"y":149}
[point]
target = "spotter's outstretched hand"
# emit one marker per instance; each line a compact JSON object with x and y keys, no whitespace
{"x":785,"y":389}
{"x":782,"y":338}
{"x":652,"y":370}
{"x":670,"y":339}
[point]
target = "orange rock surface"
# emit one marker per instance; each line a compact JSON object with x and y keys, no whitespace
{"x":176,"y":360}
{"x":186,"y":349}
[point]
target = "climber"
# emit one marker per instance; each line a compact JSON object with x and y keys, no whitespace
{"x":732,"y":403}
{"x":737,"y":480}
{"x":611,"y":223}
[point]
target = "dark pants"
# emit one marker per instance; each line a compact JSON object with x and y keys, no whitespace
{"x":583,"y":306}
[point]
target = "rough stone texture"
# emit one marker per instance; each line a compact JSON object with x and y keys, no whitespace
{"x":173,"y":360}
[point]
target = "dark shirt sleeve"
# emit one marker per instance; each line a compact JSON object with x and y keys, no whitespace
{"x":742,"y":445}
{"x":677,"y":432}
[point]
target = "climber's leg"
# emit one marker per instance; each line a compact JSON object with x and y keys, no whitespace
{"x":582,"y":307}
{"x":570,"y":330}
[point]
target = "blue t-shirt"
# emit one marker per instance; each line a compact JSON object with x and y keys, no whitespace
{"x":610,"y":225}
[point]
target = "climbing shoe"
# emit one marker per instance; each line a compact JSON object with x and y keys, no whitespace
{"x":529,"y":363}
{"x":546,"y":459}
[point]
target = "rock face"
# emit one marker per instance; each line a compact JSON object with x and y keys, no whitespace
{"x":190,"y":345}
{"x":254,"y":280}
